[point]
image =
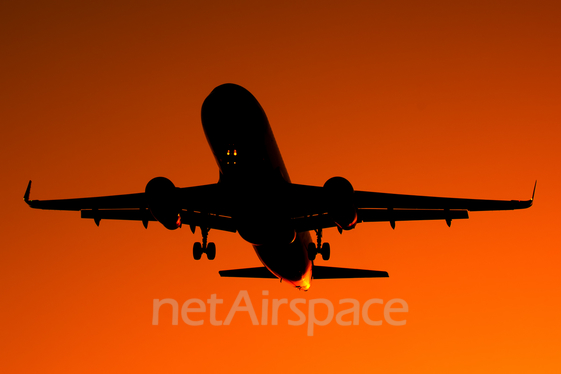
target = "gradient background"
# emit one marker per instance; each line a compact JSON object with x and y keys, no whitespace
{"x":440,"y":98}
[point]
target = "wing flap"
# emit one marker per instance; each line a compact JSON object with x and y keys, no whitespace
{"x":323,"y":221}
{"x":385,"y":215}
{"x":187,"y":218}
{"x":118,"y":214}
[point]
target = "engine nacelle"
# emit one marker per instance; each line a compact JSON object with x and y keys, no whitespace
{"x":163,"y":203}
{"x":340,"y":202}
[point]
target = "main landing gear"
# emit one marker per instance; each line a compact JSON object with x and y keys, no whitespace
{"x":209,"y":249}
{"x":324,"y":250}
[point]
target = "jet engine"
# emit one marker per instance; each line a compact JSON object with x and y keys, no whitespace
{"x":161,"y":195}
{"x":340,"y":202}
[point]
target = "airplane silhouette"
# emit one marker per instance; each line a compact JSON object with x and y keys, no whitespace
{"x":255,"y":197}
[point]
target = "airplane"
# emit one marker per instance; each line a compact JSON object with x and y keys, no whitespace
{"x":255,"y":198}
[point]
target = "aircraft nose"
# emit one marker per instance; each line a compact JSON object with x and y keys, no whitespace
{"x":229,"y":97}
{"x":232,"y":111}
{"x":229,"y":89}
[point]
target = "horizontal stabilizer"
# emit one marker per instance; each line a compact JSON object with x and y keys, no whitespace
{"x":327,"y":272}
{"x":260,"y":272}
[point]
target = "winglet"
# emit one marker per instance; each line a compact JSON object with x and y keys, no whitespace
{"x":527,"y":203}
{"x":27,"y":191}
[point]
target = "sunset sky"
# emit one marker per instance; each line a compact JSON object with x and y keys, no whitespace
{"x":442,"y":98}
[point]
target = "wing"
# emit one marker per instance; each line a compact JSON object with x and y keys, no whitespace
{"x":203,"y":206}
{"x":310,"y":209}
{"x":384,"y":200}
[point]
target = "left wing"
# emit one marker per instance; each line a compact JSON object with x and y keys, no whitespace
{"x":201,"y":206}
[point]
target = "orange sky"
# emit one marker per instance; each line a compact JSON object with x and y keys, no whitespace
{"x":444,"y":98}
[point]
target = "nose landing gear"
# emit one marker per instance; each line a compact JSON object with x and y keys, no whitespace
{"x":324,"y":249}
{"x":204,"y":247}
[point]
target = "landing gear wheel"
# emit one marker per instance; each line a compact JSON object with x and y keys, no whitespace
{"x":204,"y":247}
{"x":312,"y":251}
{"x":197,"y":250}
{"x":325,"y":251}
{"x":211,"y":251}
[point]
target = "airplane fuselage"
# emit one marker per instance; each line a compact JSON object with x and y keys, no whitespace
{"x":254,"y":177}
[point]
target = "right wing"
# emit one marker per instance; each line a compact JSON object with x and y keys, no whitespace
{"x":366,"y":200}
{"x":310,"y":209}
